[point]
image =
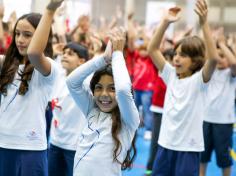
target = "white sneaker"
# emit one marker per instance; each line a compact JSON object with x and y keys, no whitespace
{"x":147,"y":135}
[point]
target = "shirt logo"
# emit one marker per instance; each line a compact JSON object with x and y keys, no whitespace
{"x":54,"y":104}
{"x":32,"y":135}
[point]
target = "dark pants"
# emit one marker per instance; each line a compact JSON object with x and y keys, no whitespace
{"x":48,"y":116}
{"x":61,"y":161}
{"x":23,"y":163}
{"x":176,"y":163}
{"x":218,"y":137}
{"x":155,"y":135}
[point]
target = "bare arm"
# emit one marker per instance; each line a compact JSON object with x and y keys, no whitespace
{"x":209,"y":66}
{"x":1,"y":26}
{"x":40,"y":38}
{"x":229,"y":56}
{"x":154,"y":45}
{"x":1,"y":62}
{"x":131,"y":32}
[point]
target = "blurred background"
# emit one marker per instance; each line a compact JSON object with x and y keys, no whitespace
{"x":145,"y":11}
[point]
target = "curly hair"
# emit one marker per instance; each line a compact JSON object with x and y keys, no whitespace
{"x":13,"y":59}
{"x":116,"y":124}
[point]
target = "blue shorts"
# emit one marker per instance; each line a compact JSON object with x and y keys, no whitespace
{"x":218,"y":137}
{"x":23,"y":163}
{"x":176,"y":163}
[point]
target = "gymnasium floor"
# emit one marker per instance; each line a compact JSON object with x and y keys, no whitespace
{"x":142,"y":156}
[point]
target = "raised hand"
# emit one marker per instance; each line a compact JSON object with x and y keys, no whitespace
{"x":58,"y":48}
{"x":54,"y":4}
{"x":172,"y":15}
{"x":220,"y":36}
{"x":108,"y":52}
{"x":201,"y":10}
{"x":117,"y":37}
{"x":1,"y":11}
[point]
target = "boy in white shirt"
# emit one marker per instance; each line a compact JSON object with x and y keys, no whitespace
{"x":181,"y":134}
{"x":68,"y":120}
{"x":219,"y":116}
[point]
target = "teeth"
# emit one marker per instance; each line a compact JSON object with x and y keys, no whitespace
{"x":105,"y":102}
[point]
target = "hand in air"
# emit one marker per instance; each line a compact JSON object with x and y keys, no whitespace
{"x":201,"y":10}
{"x":172,"y":15}
{"x":108,"y":52}
{"x":117,"y":38}
{"x":54,"y":4}
{"x":220,"y":38}
{"x":1,"y":11}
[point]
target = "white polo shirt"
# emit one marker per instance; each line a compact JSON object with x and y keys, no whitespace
{"x":22,"y":118}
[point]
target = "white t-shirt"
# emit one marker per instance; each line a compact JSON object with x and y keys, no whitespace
{"x":68,"y":121}
{"x":220,"y":98}
{"x":22,"y":118}
{"x":94,"y":154}
{"x":182,"y":119}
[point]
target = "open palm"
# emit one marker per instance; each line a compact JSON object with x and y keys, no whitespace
{"x":172,"y":14}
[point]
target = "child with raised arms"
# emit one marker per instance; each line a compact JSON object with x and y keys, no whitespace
{"x":68,"y":121}
{"x":26,"y":83}
{"x":181,"y":135}
{"x":104,"y":147}
{"x":219,"y":115}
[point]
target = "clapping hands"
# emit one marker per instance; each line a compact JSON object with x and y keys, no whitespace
{"x":116,"y":42}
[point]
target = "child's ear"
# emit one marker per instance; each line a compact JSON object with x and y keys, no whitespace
{"x":197,"y":64}
{"x":82,"y":60}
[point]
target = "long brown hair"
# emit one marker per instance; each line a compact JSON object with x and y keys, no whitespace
{"x":116,"y":124}
{"x":13,"y":59}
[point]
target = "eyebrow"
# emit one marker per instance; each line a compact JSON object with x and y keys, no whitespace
{"x":107,"y":85}
{"x":17,"y":30}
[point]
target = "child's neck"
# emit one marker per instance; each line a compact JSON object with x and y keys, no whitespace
{"x":184,"y":75}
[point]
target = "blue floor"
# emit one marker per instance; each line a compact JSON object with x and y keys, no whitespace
{"x":142,"y":156}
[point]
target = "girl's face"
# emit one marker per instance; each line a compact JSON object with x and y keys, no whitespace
{"x":23,"y":35}
{"x":71,"y":60}
{"x":182,"y":63}
{"x":104,"y":94}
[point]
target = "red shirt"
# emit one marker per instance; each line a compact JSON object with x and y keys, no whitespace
{"x":144,"y":73}
{"x":129,"y":59}
{"x":159,"y":92}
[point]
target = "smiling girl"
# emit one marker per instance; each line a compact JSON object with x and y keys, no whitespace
{"x":104,"y":147}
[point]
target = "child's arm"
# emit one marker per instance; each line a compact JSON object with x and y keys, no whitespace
{"x":75,"y":80}
{"x":227,"y":53}
{"x":209,"y":66}
{"x":40,"y":38}
{"x":1,"y":61}
{"x":1,"y":26}
{"x":123,"y":86}
{"x":154,"y":45}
